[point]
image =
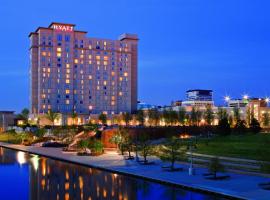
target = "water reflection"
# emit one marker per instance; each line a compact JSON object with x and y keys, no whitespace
{"x":51,"y":179}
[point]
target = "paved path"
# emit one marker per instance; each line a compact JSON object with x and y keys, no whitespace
{"x":239,"y":185}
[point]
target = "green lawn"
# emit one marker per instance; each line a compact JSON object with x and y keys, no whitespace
{"x":255,"y":147}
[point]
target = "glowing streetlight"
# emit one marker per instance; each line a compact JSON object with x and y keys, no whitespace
{"x":267,"y":99}
{"x":227,"y":98}
{"x":245,"y":97}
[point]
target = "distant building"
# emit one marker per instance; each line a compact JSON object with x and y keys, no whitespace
{"x":237,"y":103}
{"x":72,"y":73}
{"x":199,"y":98}
{"x":145,"y":106}
{"x":7,"y":118}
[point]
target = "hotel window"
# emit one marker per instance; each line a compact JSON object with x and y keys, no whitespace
{"x":68,"y":71}
{"x":67,"y":81}
{"x":67,"y":65}
{"x":67,"y":101}
{"x":59,"y":37}
{"x":90,"y":56}
{"x":105,"y":63}
{"x":125,"y":74}
{"x":97,"y":57}
{"x":98,"y":62}
{"x":58,"y":54}
{"x":106,"y":58}
{"x":58,"y":49}
{"x":67,"y":38}
{"x":90,"y":77}
{"x":76,"y":61}
{"x":120,"y":93}
{"x":43,"y":53}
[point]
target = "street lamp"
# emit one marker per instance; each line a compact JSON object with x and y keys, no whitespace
{"x":227,"y":98}
{"x":245,"y":97}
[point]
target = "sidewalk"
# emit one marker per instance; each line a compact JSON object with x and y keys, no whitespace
{"x":239,"y":185}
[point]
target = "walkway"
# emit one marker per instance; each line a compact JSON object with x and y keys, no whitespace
{"x":239,"y":185}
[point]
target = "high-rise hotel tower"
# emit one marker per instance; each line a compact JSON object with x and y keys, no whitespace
{"x":73,"y":73}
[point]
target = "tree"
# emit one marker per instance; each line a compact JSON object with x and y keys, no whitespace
{"x":222,"y":113}
{"x":120,"y":138}
{"x":145,"y":146}
{"x":215,"y":166}
{"x":223,"y":127}
{"x":182,"y":115}
{"x":172,"y":152}
{"x":240,"y":127}
{"x":254,"y":126}
{"x":52,"y":116}
{"x":265,"y":119}
{"x":102,"y":118}
{"x":74,"y":116}
{"x":126,"y":116}
{"x":236,"y":114}
{"x":209,"y":115}
{"x":24,"y":115}
{"x":195,"y":116}
{"x":140,"y":117}
{"x":154,"y":116}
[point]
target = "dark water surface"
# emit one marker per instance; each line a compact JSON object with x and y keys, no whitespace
{"x":24,"y":176}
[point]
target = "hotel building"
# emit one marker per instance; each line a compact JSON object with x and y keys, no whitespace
{"x":72,"y":73}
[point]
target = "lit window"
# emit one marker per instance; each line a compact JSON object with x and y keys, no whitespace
{"x":105,"y":82}
{"x":81,"y":56}
{"x":97,"y":57}
{"x":67,"y":91}
{"x":76,"y":61}
{"x":68,"y":71}
{"x":90,"y":77}
{"x":125,"y":74}
{"x":98,"y":62}
{"x":90,"y":56}
{"x":67,"y":101}
{"x":58,"y":54}
{"x":90,"y":62}
{"x":67,"y":76}
{"x":113,"y":103}
{"x":90,"y":107}
{"x":106,"y":58}
{"x":67,"y":65}
{"x":67,"y":81}
{"x":120,"y":78}
{"x":90,"y":47}
{"x":43,"y":53}
{"x":105,"y":62}
{"x":59,"y":49}
{"x":113,"y":73}
{"x":120,"y":93}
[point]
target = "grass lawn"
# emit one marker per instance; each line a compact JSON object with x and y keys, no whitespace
{"x":256,"y":147}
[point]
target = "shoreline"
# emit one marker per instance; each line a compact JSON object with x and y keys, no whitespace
{"x":116,"y":164}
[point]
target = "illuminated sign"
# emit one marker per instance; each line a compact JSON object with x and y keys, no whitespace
{"x":59,"y":27}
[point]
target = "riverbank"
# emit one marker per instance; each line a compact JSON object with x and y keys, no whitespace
{"x":238,"y":186}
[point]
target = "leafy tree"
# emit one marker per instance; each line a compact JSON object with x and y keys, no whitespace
{"x":145,"y":146}
{"x":74,"y":117}
{"x":236,"y":115}
{"x":182,"y":116}
{"x":265,"y":119}
{"x":222,"y":113}
{"x":209,"y":115}
{"x":52,"y":116}
{"x":154,"y":116}
{"x":126,"y":116}
{"x":120,"y":138}
{"x":223,"y":127}
{"x":255,"y":126}
{"x":240,"y":127}
{"x":195,"y":116}
{"x":40,"y":132}
{"x":215,"y":166}
{"x":103,"y":118}
{"x":140,"y":117}
{"x":171,"y":151}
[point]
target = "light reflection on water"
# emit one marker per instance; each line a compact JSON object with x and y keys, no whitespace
{"x":49,"y":179}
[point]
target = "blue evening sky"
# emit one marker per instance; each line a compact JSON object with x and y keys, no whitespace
{"x":222,"y":45}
